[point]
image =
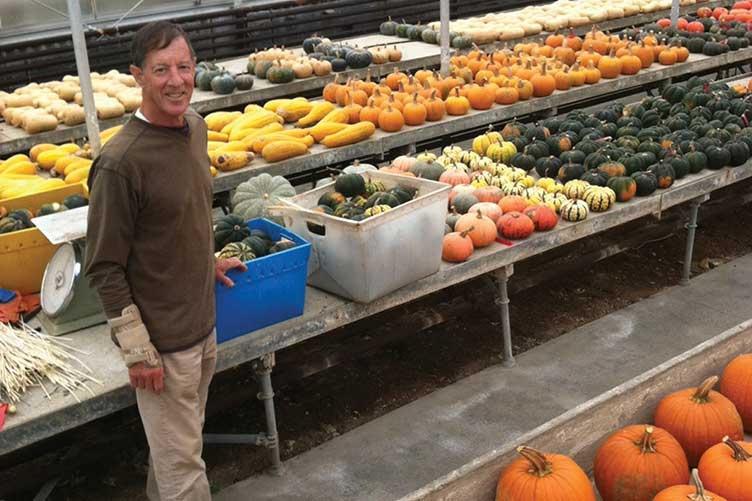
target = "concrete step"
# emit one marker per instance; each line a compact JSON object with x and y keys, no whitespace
{"x":563,"y":396}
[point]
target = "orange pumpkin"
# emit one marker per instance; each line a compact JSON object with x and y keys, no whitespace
{"x":525,"y":89}
{"x":609,"y":66}
{"x":573,"y":41}
{"x":515,"y":225}
{"x":563,"y":80}
{"x":404,"y":163}
{"x":726,"y":468}
{"x":353,"y":111}
{"x":490,"y":194}
{"x":379,"y":98}
{"x":391,"y":119}
{"x":667,"y":57}
{"x":592,"y":75}
{"x":637,"y":462}
{"x":577,"y":75}
{"x":367,"y":85}
{"x":415,"y":113}
{"x":513,"y":203}
{"x":370,"y":113}
{"x":454,"y":177}
{"x":544,"y":84}
{"x":535,"y":473}
{"x":645,"y":54}
{"x":481,"y":97}
{"x":457,"y":247}
{"x":565,"y":55}
{"x":435,"y":108}
{"x":393,"y":79}
{"x":330,"y":89}
{"x":481,"y":229}
{"x":544,"y":218}
{"x":457,"y":104}
{"x":699,"y":418}
{"x":507,"y":95}
{"x":694,"y":492}
{"x":682,"y":53}
{"x":555,"y":40}
{"x":630,"y":64}
{"x":736,"y":385}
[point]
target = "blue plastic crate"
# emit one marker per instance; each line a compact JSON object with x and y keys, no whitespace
{"x":272,"y":290}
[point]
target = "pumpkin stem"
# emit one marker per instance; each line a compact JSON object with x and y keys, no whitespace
{"x":701,"y":395}
{"x":700,"y":494}
{"x":467,"y":231}
{"x":541,"y":466}
{"x":739,"y":453}
{"x":647,"y":444}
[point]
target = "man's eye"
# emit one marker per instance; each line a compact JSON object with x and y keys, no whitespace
{"x":159,"y":71}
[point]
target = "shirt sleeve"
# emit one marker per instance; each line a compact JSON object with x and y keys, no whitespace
{"x":113,"y":210}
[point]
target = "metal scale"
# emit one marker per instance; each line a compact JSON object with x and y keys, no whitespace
{"x":68,"y":303}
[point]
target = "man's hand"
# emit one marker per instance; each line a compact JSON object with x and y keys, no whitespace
{"x":145,"y":377}
{"x":222,"y":266}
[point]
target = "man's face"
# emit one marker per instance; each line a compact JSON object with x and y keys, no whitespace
{"x":166,"y":81}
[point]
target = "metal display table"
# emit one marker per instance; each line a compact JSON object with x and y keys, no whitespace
{"x":39,"y":418}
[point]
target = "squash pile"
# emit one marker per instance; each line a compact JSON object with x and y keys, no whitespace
{"x":356,"y":199}
{"x":42,"y":107}
{"x":529,"y":21}
{"x":233,"y":238}
{"x":211,"y":77}
{"x":343,"y":56}
{"x":20,"y":219}
{"x":695,"y":427}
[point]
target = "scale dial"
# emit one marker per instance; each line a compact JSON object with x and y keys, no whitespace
{"x":59,"y":280}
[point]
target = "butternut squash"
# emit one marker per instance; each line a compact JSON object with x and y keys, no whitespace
{"x":349,"y":135}
{"x":282,"y":150}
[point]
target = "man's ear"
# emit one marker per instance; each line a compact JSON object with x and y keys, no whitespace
{"x":137,"y":73}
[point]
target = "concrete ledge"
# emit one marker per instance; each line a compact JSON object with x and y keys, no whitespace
{"x":581,"y":430}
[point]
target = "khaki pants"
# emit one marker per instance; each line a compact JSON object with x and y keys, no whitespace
{"x":173,"y":422}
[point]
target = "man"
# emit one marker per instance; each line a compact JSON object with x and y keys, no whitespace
{"x":150,"y":258}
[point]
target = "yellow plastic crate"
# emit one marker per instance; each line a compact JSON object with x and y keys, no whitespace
{"x":24,"y":254}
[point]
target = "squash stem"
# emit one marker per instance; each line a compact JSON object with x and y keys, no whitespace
{"x":540,"y":465}
{"x":647,"y":444}
{"x":700,"y":494}
{"x":739,"y":453}
{"x":703,"y":391}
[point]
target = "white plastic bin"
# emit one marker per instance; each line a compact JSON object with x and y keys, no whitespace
{"x":364,"y":260}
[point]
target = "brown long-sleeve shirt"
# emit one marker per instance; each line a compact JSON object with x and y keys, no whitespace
{"x":149,"y":235}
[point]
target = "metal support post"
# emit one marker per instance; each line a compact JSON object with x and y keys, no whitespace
{"x":84,"y":75}
{"x":444,"y":36}
{"x":263,"y":369}
{"x":502,"y":278}
{"x":674,"y":12}
{"x":691,"y":227}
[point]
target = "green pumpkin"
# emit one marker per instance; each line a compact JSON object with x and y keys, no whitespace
{"x":697,"y":161}
{"x":523,"y":161}
{"x":244,"y":82}
{"x":238,"y":250}
{"x":594,"y":160}
{"x":75,"y":201}
{"x":461,"y":42}
{"x":573,"y":156}
{"x":359,"y":58}
{"x":47,"y":209}
{"x":359,"y":201}
{"x":388,"y":27}
{"x":696,"y":45}
{"x":428,"y":170}
{"x":713,"y":49}
{"x":664,"y":174}
{"x":229,"y":228}
{"x":674,"y":93}
{"x":632,"y":164}
{"x":280,"y":75}
{"x":718,"y":157}
{"x":204,"y":80}
{"x":259,"y":246}
{"x":595,"y":177}
{"x":401,"y":30}
{"x":646,"y":183}
{"x":625,"y":187}
{"x":381,"y":198}
{"x":570,"y":171}
{"x":350,"y":185}
{"x":739,"y":152}
{"x":414,"y":32}
{"x":331,"y":199}
{"x":463,"y":202}
{"x":547,"y":166}
{"x":9,"y":225}
{"x":430,"y":36}
{"x":403,"y":194}
{"x":680,"y":165}
{"x":223,"y":84}
{"x":347,"y":210}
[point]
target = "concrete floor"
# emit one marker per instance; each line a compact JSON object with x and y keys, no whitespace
{"x":407,"y":449}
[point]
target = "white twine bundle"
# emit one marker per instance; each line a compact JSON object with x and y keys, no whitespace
{"x":29,"y":358}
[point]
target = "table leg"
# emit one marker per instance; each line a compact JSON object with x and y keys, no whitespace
{"x":502,"y":279}
{"x":263,"y":369}
{"x":691,"y":228}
